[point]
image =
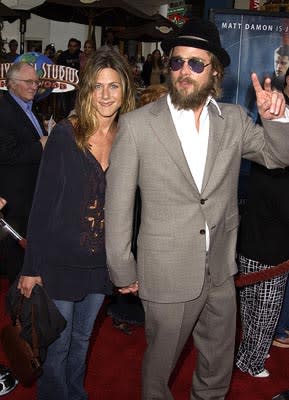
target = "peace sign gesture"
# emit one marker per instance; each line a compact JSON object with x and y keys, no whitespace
{"x":271,"y":103}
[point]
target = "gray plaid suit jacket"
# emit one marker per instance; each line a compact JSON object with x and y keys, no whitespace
{"x":171,"y":242}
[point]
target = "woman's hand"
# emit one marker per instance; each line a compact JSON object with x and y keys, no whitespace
{"x":27,"y":283}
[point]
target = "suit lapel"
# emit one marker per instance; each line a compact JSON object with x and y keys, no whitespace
{"x":164,"y":128}
{"x":215,"y":136}
{"x":23,"y":116}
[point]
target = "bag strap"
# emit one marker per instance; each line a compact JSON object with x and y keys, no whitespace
{"x":34,"y":338}
{"x":16,"y":319}
{"x":35,"y":342}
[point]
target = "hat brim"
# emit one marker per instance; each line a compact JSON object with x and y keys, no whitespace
{"x":219,"y":52}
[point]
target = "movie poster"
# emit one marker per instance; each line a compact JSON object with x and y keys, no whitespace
{"x":256,"y":41}
{"x":259,"y":42}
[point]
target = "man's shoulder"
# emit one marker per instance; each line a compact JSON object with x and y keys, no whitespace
{"x":7,"y":102}
{"x":227,"y":108}
{"x":154,"y":107}
{"x":63,"y":133}
{"x":145,"y":112}
{"x":4,"y":96}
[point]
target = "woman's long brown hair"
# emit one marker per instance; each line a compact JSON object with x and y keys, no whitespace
{"x":85,"y":120}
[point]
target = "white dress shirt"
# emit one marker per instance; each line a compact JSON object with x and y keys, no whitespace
{"x":194,"y":143}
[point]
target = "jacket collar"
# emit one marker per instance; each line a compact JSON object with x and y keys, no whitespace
{"x":164,"y":128}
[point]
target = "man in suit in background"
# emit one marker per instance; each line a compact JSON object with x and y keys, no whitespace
{"x":12,"y":54}
{"x":68,"y":58}
{"x":22,"y":140}
{"x":184,"y":152}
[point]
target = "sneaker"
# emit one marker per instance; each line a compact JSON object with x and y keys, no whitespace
{"x":281,"y":342}
{"x":281,"y":396}
{"x":263,"y":374}
{"x":7,"y":381}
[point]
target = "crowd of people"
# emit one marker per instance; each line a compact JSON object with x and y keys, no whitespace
{"x":137,"y":193}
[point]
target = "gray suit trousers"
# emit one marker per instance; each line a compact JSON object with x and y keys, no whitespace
{"x":211,"y":319}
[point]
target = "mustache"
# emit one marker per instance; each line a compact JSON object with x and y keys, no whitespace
{"x":185,"y":80}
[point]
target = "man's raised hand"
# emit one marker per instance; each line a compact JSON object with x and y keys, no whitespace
{"x":271,"y":103}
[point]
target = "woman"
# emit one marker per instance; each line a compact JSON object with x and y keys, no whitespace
{"x":263,"y":244}
{"x":153,"y":70}
{"x":65,"y":250}
{"x":88,"y":51}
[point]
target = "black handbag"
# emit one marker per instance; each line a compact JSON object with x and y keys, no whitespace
{"x":23,"y":358}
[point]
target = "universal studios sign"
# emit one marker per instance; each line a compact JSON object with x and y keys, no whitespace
{"x":57,"y":78}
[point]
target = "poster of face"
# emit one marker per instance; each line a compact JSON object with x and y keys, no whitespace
{"x":256,"y":42}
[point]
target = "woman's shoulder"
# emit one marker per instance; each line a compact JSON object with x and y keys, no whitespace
{"x":63,"y":131}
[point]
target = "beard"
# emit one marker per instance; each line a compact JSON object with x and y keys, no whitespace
{"x":191,"y":101}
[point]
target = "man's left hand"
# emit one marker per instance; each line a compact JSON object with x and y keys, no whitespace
{"x":271,"y":103}
{"x":132,"y":288}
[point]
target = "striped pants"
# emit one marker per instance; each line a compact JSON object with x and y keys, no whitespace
{"x":260,"y":306}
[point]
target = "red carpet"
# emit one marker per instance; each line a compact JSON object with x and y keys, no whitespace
{"x":115,"y":359}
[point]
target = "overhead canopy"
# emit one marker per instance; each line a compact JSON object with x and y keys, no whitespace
{"x":154,"y":31}
{"x":99,"y":13}
{"x":7,"y":14}
{"x":22,"y":4}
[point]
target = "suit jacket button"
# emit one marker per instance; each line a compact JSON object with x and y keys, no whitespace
{"x":203,"y":201}
{"x":202,"y":231}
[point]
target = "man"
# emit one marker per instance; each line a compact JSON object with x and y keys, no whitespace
{"x":184,"y":153}
{"x":12,"y":55}
{"x":109,"y":41}
{"x":50,"y":52}
{"x":68,"y":58}
{"x":281,"y":338}
{"x":21,"y":145}
{"x":281,"y":64}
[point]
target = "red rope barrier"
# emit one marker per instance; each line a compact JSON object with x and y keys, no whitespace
{"x":263,"y":275}
{"x":242,"y":279}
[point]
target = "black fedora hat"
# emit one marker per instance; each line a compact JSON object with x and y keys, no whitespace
{"x":201,"y":34}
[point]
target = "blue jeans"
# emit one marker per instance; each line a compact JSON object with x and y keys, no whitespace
{"x":283,"y":322}
{"x":65,"y":364}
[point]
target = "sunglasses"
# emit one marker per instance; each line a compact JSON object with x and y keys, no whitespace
{"x":196,"y":65}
